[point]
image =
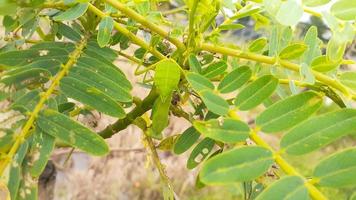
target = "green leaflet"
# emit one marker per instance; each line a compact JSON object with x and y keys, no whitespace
{"x":106,"y":26}
{"x":194,"y":64}
{"x":289,"y":112}
{"x":226,"y":130}
{"x":288,"y":187}
{"x":159,"y":117}
{"x":72,"y":133}
{"x":237,"y":165}
{"x":167,"y":77}
{"x":22,"y":77}
{"x":215,"y":69}
{"x":256,"y":92}
{"x":337,"y":170}
{"x":6,"y":140}
{"x":109,"y":87}
{"x":214,"y":103}
{"x":235,"y":79}
{"x":231,"y":27}
{"x":91,"y":96}
{"x":258,"y":45}
{"x":69,"y":32}
{"x":293,"y":51}
{"x":344,"y":9}
{"x":186,"y":140}
{"x":199,"y":82}
{"x":167,"y":143}
{"x":40,"y":151}
{"x":200,"y":152}
{"x":35,"y":53}
{"x":313,"y":3}
{"x":72,"y":13}
{"x":323,"y":64}
{"x":312,"y":41}
{"x":348,"y":79}
{"x":16,"y":170}
{"x":27,"y":102}
{"x":289,"y":13}
{"x":107,"y":70}
{"x":319,"y":131}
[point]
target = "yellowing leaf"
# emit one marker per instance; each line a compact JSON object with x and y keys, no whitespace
{"x":293,"y":51}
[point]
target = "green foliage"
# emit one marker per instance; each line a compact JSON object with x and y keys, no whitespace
{"x":58,"y":61}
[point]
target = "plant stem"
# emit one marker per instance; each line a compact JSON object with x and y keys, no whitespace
{"x":139,"y":110}
{"x":175,"y":10}
{"x":25,"y":132}
{"x":157,"y":163}
{"x":142,"y":20}
{"x":271,"y":60}
{"x":128,"y":34}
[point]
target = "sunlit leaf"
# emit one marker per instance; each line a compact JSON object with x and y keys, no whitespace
{"x":236,"y":165}
{"x":256,"y":92}
{"x":72,"y":13}
{"x":226,"y":130}
{"x":289,"y":112}
{"x":214,"y":102}
{"x":288,"y":187}
{"x":319,"y":131}
{"x":313,"y":3}
{"x":289,"y":13}
{"x":337,"y":170}
{"x":323,"y":64}
{"x":235,"y":79}
{"x":215,"y":69}
{"x":349,"y":79}
{"x":344,"y":9}
{"x":258,"y":44}
{"x":160,"y":111}
{"x":293,"y":51}
{"x":166,"y":77}
{"x":199,"y":82}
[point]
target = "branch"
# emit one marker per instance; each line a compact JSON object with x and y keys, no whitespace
{"x":25,"y":132}
{"x":142,"y":20}
{"x":283,"y":63}
{"x":128,"y":34}
{"x":139,"y":110}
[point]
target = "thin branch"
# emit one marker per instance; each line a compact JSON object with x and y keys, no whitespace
{"x":128,"y":33}
{"x":272,"y":61}
{"x":142,"y":20}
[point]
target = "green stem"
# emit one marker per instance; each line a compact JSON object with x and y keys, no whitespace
{"x":25,"y":131}
{"x":272,"y":61}
{"x":142,"y":20}
{"x":191,"y":22}
{"x":128,"y":34}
